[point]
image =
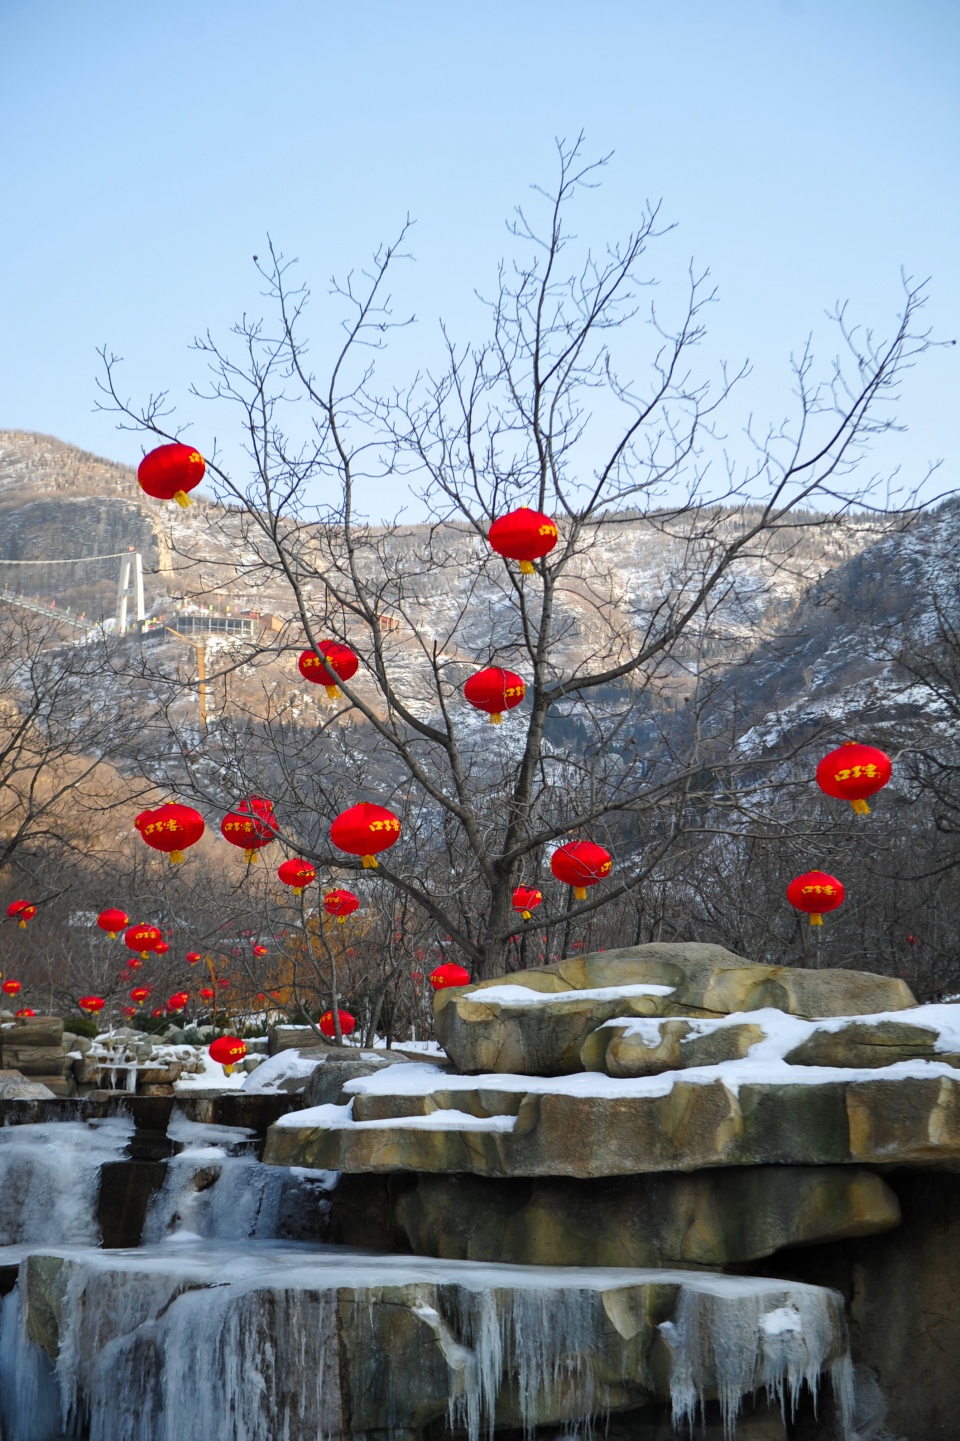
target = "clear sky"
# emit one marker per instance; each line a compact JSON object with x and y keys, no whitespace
{"x":807,"y":149}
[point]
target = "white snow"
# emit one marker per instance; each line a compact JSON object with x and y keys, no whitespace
{"x":334,"y":1117}
{"x":287,"y":1065}
{"x":211,"y":1077}
{"x":517,"y":995}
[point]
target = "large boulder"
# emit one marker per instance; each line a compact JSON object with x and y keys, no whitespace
{"x":536,"y":1022}
{"x":711,"y":1219}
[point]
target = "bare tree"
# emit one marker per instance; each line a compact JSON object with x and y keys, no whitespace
{"x":552,"y":411}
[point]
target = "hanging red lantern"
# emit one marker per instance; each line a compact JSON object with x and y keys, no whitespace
{"x":140,"y":994}
{"x":207,"y":994}
{"x":93,"y":1005}
{"x":580,"y":864}
{"x":157,"y":1012}
{"x":449,"y":975}
{"x":340,"y":904}
{"x":494,"y":690}
{"x":227,"y":1051}
{"x":144,"y":939}
{"x":224,"y":983}
{"x":297,"y":873}
{"x":172,"y":828}
{"x":251,"y":826}
{"x":526,"y":900}
{"x":11,"y":988}
{"x":193,"y":958}
{"x":815,"y":893}
{"x":21,"y":911}
{"x":161,"y":948}
{"x":26,"y":1012}
{"x":134,"y":963}
{"x":169,"y":471}
{"x":178,"y":1001}
{"x":524,"y":535}
{"x":128,"y":1011}
{"x":260,"y":951}
{"x":329,"y":663}
{"x":854,"y":772}
{"x":112,"y":921}
{"x":365,"y":830}
{"x":327,"y":1027}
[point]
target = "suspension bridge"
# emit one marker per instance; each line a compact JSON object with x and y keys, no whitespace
{"x":83,"y":593}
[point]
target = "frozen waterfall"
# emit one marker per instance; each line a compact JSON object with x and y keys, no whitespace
{"x":49,"y":1178}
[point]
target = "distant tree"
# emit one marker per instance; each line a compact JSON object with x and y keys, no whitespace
{"x":550,"y":411}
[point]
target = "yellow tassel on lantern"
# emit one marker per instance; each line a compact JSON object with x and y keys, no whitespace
{"x":176,"y":858}
{"x":525,"y":915}
{"x":861,"y":807}
{"x":340,"y":920}
{"x":23,"y":925}
{"x":369,"y":863}
{"x":816,"y":919}
{"x":228,"y":1070}
{"x":298,"y":890}
{"x":580,"y":893}
{"x":526,"y":568}
{"x":496,"y":718}
{"x":332,"y":691}
{"x":250,"y":856}
{"x":182,"y":499}
{"x":112,"y":935}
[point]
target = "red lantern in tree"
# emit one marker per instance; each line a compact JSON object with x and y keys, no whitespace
{"x":526,"y":900}
{"x":365,"y":830}
{"x":93,"y":1005}
{"x":449,"y":975}
{"x":854,"y":772}
{"x":224,"y":983}
{"x":26,"y":1012}
{"x":21,"y":911}
{"x":140,"y":994}
{"x":340,"y":904}
{"x":327,"y":1027}
{"x":172,"y":828}
{"x":169,"y":471}
{"x":329,"y":663}
{"x":260,"y":951}
{"x":207,"y":994}
{"x":12,"y":988}
{"x":134,"y":964}
{"x":112,"y":921}
{"x":815,"y":893}
{"x":251,"y":826}
{"x":178,"y":1001}
{"x":494,"y":690}
{"x":128,"y":1011}
{"x":161,"y":948}
{"x":193,"y":958}
{"x":580,"y":864}
{"x":144,"y":939}
{"x":296,"y":873}
{"x":227,"y":1051}
{"x":157,"y":1013}
{"x":524,"y":535}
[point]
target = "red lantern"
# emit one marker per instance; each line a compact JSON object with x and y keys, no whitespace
{"x":260,"y":951}
{"x":449,"y":975}
{"x":854,"y":772}
{"x":157,"y":1013}
{"x":93,"y":1005}
{"x":524,"y":535}
{"x":193,"y":958}
{"x":171,"y":828}
{"x":169,"y":471}
{"x":12,"y":988}
{"x":112,"y":921}
{"x":340,"y":904}
{"x":297,"y":873}
{"x":178,"y":1001}
{"x":128,"y":1011}
{"x":227,"y":1051}
{"x":525,"y":900}
{"x":580,"y":864}
{"x":494,"y":690}
{"x":224,"y":983}
{"x":161,"y":948}
{"x":140,"y":994}
{"x":22,"y":911}
{"x":327,"y":1027}
{"x":329,"y":663}
{"x":26,"y":1012}
{"x":144,"y":939}
{"x":365,"y":830}
{"x":251,"y":826}
{"x":207,"y":994}
{"x":134,"y":963}
{"x":815,"y":893}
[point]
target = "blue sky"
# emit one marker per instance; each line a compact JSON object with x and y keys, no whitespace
{"x":806,"y":149}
